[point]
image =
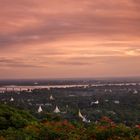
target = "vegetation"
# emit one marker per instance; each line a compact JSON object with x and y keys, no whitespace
{"x":17,"y":124}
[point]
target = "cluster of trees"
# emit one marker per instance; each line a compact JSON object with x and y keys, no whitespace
{"x":17,"y":124}
{"x":117,"y":102}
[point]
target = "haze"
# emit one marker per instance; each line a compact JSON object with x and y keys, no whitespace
{"x":69,"y":38}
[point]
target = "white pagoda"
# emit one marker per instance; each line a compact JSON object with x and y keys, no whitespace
{"x":12,"y":99}
{"x":40,"y":109}
{"x":80,"y":115}
{"x":135,"y":92}
{"x":83,"y":118}
{"x":56,"y":110}
{"x":52,"y":98}
{"x":96,"y":102}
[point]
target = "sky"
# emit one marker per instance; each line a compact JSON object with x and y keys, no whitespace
{"x":69,"y":38}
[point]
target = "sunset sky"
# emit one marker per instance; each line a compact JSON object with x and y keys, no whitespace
{"x":69,"y":38}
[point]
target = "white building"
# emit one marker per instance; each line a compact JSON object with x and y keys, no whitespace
{"x":56,"y":110}
{"x":83,"y":118}
{"x":135,"y":92}
{"x":96,"y":102}
{"x":52,"y":98}
{"x":40,"y":109}
{"x":12,"y":99}
{"x":117,"y":102}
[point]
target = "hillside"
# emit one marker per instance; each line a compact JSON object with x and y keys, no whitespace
{"x":18,"y":124}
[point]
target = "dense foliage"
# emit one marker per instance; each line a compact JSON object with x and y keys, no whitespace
{"x":17,"y":124}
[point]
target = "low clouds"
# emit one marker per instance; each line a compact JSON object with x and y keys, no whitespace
{"x":56,"y":34}
{"x":16,"y":63}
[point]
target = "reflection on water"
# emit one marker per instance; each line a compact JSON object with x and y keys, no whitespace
{"x":17,"y":88}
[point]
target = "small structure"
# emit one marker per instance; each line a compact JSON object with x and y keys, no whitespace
{"x":80,"y":115}
{"x":72,"y":95}
{"x":35,"y":83}
{"x":96,"y":102}
{"x":106,"y":100}
{"x":86,"y":121}
{"x":111,"y":112}
{"x":83,"y":118}
{"x":39,"y":109}
{"x":117,"y":102}
{"x":52,"y":98}
{"x":56,"y":110}
{"x":12,"y":99}
{"x":30,"y":104}
{"x":110,"y":90}
{"x":18,"y":92}
{"x":48,"y":104}
{"x":135,"y":92}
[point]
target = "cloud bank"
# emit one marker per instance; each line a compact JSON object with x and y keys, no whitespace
{"x":82,"y":38}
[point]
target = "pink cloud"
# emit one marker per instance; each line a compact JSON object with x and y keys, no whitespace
{"x":76,"y":34}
